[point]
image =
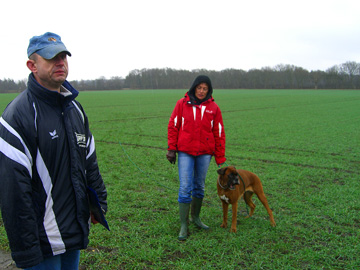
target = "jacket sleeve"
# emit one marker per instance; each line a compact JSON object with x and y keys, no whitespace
{"x":93,"y":176}
{"x":219,"y":135}
{"x":17,"y":157}
{"x":174,"y":125}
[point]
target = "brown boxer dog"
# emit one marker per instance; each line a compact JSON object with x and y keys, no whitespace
{"x":232,"y":184}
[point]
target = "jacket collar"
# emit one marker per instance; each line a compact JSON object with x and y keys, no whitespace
{"x":49,"y":96}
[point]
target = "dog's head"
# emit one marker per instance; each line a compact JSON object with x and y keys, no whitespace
{"x":228,"y":177}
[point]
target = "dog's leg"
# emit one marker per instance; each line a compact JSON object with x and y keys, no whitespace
{"x":225,"y":207}
{"x":234,"y":207}
{"x":264,"y":201}
{"x":249,"y":202}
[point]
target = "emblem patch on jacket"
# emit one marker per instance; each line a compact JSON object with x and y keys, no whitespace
{"x":53,"y":134}
{"x":80,"y":139}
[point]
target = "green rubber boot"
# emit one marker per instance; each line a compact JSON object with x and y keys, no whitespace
{"x":195,"y":213}
{"x":184,"y":218}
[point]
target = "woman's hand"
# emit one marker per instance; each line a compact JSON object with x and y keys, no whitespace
{"x":171,"y":156}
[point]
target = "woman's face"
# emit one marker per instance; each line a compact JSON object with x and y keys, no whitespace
{"x":201,"y":91}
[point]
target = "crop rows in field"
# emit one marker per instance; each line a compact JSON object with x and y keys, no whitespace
{"x":304,"y":146}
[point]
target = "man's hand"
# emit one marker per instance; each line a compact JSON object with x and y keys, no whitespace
{"x":93,"y":220}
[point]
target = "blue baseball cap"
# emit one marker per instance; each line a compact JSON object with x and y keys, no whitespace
{"x":47,"y":46}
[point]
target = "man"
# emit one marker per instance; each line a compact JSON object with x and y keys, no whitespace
{"x":47,"y":160}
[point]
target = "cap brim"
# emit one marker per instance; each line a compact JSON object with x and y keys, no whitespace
{"x":51,"y":51}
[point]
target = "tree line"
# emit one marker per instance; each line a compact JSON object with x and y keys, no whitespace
{"x":343,"y":76}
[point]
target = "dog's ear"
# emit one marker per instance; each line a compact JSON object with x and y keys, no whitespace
{"x":221,"y":171}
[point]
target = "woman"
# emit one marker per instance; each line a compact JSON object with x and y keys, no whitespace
{"x":196,"y":132}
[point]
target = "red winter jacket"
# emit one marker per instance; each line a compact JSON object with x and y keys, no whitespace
{"x":197,"y":129}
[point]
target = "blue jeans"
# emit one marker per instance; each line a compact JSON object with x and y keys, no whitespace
{"x":66,"y":261}
{"x":192,"y":174}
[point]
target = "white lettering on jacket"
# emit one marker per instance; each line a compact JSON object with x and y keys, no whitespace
{"x":80,"y":139}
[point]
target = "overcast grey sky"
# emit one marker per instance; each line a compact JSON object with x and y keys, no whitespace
{"x":111,"y":38}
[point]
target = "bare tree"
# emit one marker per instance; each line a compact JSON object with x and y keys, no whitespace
{"x":351,"y":69}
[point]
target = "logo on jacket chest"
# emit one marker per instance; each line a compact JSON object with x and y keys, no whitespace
{"x":80,"y":139}
{"x":53,"y":134}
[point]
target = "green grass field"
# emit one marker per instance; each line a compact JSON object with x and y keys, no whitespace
{"x":303,"y":144}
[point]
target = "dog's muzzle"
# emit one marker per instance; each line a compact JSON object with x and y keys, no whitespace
{"x":233,"y":181}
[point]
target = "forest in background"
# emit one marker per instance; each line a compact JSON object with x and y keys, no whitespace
{"x":343,"y":76}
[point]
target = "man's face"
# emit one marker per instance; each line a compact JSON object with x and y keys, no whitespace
{"x":201,"y":91}
{"x":50,"y":73}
